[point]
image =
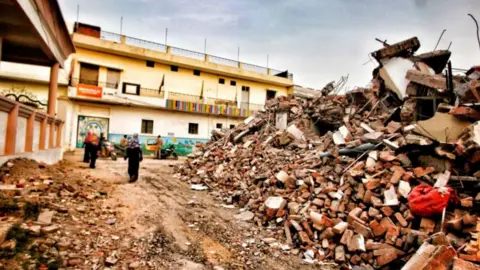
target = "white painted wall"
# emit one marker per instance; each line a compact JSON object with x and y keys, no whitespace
{"x":47,"y":136}
{"x":3,"y":130}
{"x":36,"y":136}
{"x":129,"y":120}
{"x":21,"y":135}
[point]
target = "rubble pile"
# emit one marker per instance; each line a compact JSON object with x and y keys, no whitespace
{"x":364,"y":179}
{"x":50,"y":218}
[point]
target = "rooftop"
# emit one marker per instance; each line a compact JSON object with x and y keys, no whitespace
{"x":95,"y":31}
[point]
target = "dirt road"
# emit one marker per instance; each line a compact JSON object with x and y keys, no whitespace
{"x":162,"y":224}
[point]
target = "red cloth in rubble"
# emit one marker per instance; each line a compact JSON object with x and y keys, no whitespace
{"x":427,"y":201}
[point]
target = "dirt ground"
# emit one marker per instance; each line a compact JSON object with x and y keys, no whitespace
{"x":161,"y":224}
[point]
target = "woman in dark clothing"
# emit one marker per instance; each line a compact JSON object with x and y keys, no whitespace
{"x":134,"y":155}
{"x":87,"y":144}
{"x":94,"y":147}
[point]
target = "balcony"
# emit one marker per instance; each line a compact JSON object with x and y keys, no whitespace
{"x":207,"y":105}
{"x":104,"y":92}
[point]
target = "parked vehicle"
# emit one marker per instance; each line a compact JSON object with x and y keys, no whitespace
{"x":108,"y":150}
{"x":167,"y":152}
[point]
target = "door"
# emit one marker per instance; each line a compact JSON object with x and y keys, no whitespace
{"x":97,"y":125}
{"x":245,"y":97}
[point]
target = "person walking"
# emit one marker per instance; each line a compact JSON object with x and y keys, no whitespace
{"x":94,"y":148}
{"x":159,"y":144}
{"x":134,"y":156}
{"x":87,"y":145}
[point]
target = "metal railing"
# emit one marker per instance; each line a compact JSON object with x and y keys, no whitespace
{"x":110,"y":36}
{"x":255,"y":68}
{"x":187,"y":53}
{"x":223,"y":61}
{"x":146,"y":44}
{"x":150,"y":92}
{"x":213,"y":101}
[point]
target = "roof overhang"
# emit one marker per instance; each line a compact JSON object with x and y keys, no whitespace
{"x":34,"y":32}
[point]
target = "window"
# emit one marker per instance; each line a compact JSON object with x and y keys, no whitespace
{"x":219,"y":125}
{"x":232,"y":126}
{"x":147,"y":126}
{"x":113,"y":78}
{"x":192,"y":128}
{"x":174,"y":68}
{"x":88,"y":74}
{"x":150,"y":63}
{"x":131,"y":89}
{"x":233,"y":83}
{"x":196,"y":72}
{"x":246,"y":88}
{"x":271,"y":94}
{"x":221,"y":81}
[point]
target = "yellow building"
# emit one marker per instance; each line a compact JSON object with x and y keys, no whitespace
{"x":119,"y":85}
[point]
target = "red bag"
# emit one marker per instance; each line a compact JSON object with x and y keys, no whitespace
{"x":427,"y":201}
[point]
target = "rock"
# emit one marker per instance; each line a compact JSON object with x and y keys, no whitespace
{"x":245,"y":216}
{"x":134,"y":265}
{"x":50,"y":229}
{"x":45,"y":217}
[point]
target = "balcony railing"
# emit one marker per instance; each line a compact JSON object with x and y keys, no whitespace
{"x":148,"y":92}
{"x":114,"y":37}
{"x":195,"y":103}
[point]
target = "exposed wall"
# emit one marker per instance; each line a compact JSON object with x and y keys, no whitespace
{"x":135,"y":71}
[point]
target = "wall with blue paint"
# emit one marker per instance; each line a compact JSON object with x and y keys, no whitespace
{"x":183,"y":146}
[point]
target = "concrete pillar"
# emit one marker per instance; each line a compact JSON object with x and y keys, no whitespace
{"x":43,"y":133}
{"x":29,"y":133}
{"x":169,"y":49}
{"x":123,"y":39}
{"x":240,"y":65}
{"x":59,"y":135}
{"x":207,"y":58}
{"x":51,"y":136}
{"x":53,"y":90}
{"x":11,"y":136}
{"x":269,"y":71}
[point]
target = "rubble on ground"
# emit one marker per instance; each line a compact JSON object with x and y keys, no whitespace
{"x":361,"y":179}
{"x":51,"y":218}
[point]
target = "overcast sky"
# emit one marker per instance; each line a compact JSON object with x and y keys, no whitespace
{"x":317,"y":40}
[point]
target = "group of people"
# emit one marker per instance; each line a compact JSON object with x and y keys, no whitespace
{"x":133,"y":152}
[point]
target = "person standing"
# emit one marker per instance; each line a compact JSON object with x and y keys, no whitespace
{"x":94,"y":148}
{"x":134,"y":156}
{"x":86,"y":144}
{"x":159,"y":144}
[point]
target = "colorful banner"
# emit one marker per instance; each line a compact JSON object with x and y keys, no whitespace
{"x":89,"y":90}
{"x":207,"y":108}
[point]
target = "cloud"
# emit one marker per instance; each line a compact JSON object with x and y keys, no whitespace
{"x":318,"y":41}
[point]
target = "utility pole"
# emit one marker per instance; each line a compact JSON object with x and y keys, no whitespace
{"x":205,"y":47}
{"x":238,"y":54}
{"x":166,"y":35}
{"x":267,"y":60}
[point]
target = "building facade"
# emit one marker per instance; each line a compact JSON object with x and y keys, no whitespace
{"x":120,"y":85}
